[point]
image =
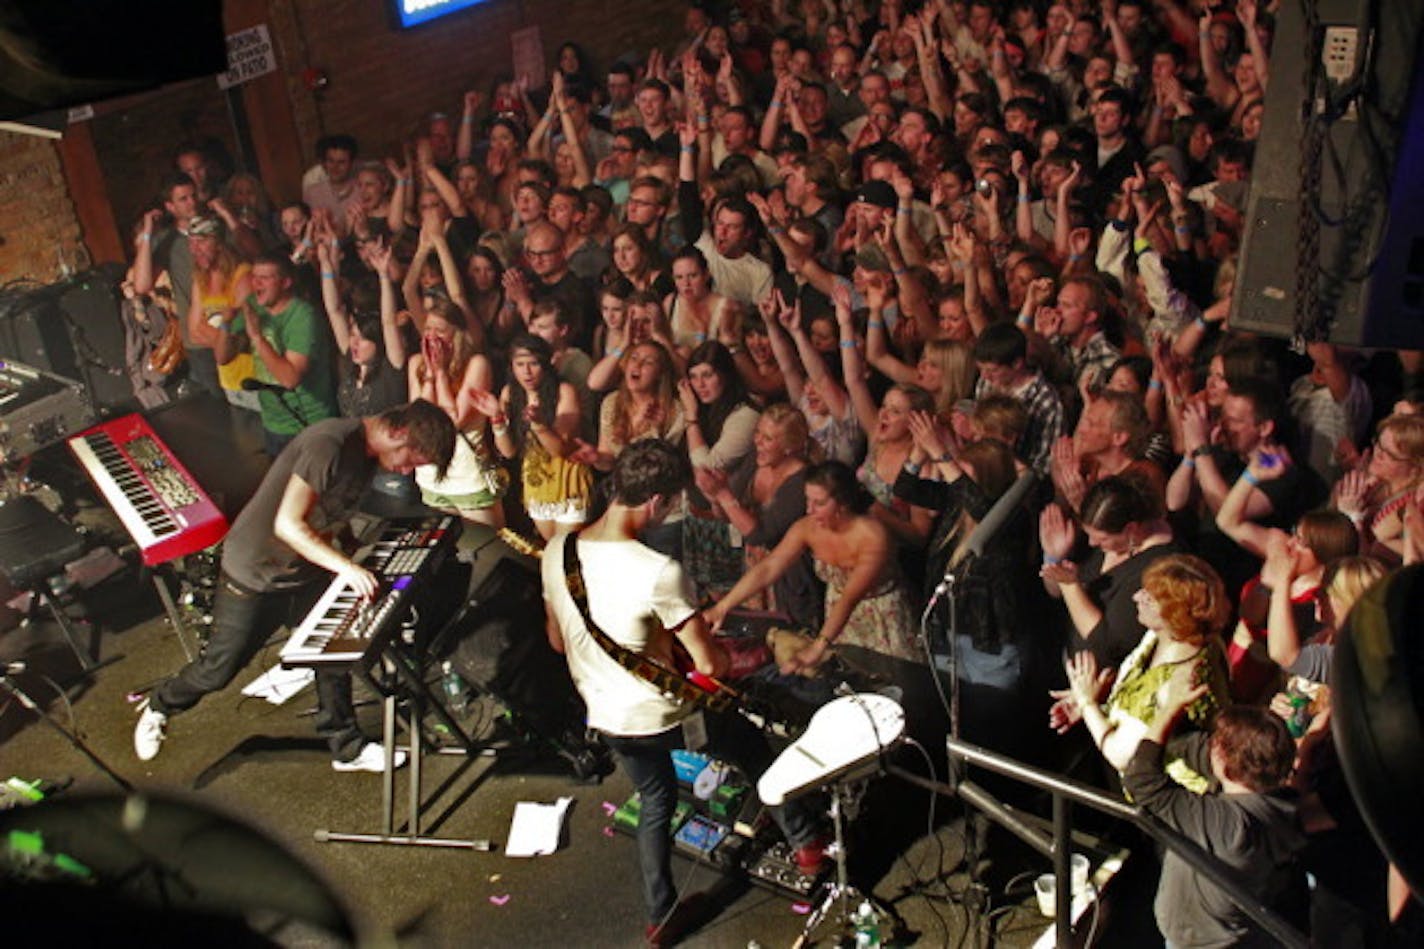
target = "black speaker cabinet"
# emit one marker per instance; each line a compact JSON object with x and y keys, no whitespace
{"x":1371,"y":195}
{"x":73,"y":329}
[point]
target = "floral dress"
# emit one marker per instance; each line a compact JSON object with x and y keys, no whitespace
{"x":883,"y":620}
{"x":1134,"y":695}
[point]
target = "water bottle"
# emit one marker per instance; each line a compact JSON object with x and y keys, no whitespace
{"x":867,"y":927}
{"x":456,"y":695}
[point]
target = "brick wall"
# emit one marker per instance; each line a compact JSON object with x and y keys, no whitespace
{"x":38,"y":223}
{"x":382,"y":80}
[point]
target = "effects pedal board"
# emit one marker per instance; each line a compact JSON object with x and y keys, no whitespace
{"x":776,"y":870}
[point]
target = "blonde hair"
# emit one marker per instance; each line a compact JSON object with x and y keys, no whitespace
{"x":1408,"y":435}
{"x":956,"y":365}
{"x":795,"y":432}
{"x":1347,"y":579}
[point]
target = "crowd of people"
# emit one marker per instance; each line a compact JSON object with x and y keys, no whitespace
{"x":864,"y":266}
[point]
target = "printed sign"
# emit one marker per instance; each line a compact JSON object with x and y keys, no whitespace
{"x":249,"y":55}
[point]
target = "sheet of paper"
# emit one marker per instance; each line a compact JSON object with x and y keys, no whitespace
{"x":276,"y":685}
{"x":536,"y":828}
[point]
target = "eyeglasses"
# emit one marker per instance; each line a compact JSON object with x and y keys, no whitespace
{"x":1392,"y":456}
{"x":531,"y":252}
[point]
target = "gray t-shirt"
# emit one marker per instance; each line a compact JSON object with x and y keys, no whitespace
{"x":330,"y":456}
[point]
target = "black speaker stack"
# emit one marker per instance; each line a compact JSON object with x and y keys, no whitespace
{"x":1337,"y":186}
{"x":73,"y":329}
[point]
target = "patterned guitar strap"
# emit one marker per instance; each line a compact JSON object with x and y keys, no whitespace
{"x":666,"y":680}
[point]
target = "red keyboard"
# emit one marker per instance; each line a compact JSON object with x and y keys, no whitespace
{"x":160,"y":504}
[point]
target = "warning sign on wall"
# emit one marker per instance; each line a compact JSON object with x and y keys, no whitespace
{"x":249,"y":55}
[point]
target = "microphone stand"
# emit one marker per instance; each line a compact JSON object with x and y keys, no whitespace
{"x":976,"y":895}
{"x":8,"y":684}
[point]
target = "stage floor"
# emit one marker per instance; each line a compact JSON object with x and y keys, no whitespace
{"x":263,"y":766}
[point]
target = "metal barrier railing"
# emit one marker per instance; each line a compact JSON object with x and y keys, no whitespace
{"x":1067,"y":792}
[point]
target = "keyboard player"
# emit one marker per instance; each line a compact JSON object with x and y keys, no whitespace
{"x":278,"y":557}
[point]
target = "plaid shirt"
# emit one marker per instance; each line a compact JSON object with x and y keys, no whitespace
{"x":1092,"y":362}
{"x":1045,"y":419}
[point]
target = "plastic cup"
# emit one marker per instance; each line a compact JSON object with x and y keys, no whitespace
{"x":1045,"y":889}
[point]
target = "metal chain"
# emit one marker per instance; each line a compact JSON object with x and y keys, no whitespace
{"x":1310,"y":323}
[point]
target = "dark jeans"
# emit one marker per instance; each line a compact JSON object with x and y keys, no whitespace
{"x":242,"y":622}
{"x":649,"y":764}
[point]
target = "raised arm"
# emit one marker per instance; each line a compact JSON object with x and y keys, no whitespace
{"x":143,"y":275}
{"x":465,"y":139}
{"x":329,"y":260}
{"x":852,"y":363}
{"x":390,"y":332}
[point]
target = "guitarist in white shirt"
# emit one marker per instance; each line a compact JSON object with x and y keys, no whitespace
{"x":642,"y":600}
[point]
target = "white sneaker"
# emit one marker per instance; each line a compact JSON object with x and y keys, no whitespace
{"x":150,"y":731}
{"x":371,"y":757}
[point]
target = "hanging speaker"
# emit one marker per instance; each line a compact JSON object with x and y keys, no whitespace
{"x":1369,"y":191}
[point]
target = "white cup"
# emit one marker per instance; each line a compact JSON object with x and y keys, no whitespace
{"x":1079,"y":873}
{"x":1046,"y":890}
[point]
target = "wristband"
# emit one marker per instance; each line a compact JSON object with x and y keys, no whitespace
{"x":688,"y":149}
{"x":467,"y":120}
{"x":1049,"y":560}
{"x":1074,"y":258}
{"x":1182,"y":229}
{"x":875,"y":324}
{"x":145,"y":237}
{"x":328,"y":275}
{"x":901,"y":209}
{"x":1023,"y":198}
{"x":776,"y":229}
{"x":1189,"y":462}
{"x":305,"y":242}
{"x":1140,"y":245}
{"x":912,"y":467}
{"x":944,"y":459}
{"x":1249,"y":478}
{"x":897,"y":271}
{"x":775,"y":104}
{"x":407,"y":181}
{"x":616,"y":353}
{"x":1201,"y":321}
{"x":848,"y":344}
{"x":1118,"y":225}
{"x":689,"y":422}
{"x":1154,"y":383}
{"x":1024,"y":320}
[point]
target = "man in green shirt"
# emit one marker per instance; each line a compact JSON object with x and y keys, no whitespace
{"x":293,"y":355}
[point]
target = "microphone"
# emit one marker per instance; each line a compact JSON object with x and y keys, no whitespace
{"x":257,"y":385}
{"x":1000,"y":512}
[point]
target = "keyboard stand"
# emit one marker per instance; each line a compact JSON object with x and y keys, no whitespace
{"x":161,"y":575}
{"x":401,"y":682}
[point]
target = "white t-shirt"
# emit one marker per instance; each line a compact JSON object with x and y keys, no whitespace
{"x":745,"y":279}
{"x":635,"y":595}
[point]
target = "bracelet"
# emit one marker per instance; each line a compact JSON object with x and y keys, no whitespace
{"x":944,"y":459}
{"x":1074,"y":258}
{"x":1024,"y":320}
{"x":1154,"y":383}
{"x":1023,"y":198}
{"x":912,"y":467}
{"x":688,"y":149}
{"x":689,"y":422}
{"x":1201,"y":321}
{"x":875,"y":324}
{"x":776,"y":229}
{"x":467,"y":120}
{"x":1249,"y":478}
{"x":616,"y":353}
{"x":328,"y":275}
{"x":902,"y":209}
{"x":1182,"y":229}
{"x":848,"y":344}
{"x":1049,"y":560}
{"x":305,"y":242}
{"x":1189,"y":462}
{"x":897,"y":271}
{"x":145,"y":237}
{"x":775,"y":104}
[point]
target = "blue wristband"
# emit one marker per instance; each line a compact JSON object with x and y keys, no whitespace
{"x":1249,"y":478}
{"x":848,"y":344}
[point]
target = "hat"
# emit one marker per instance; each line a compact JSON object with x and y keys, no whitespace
{"x":204,"y":226}
{"x":878,"y":193}
{"x":1172,"y":155}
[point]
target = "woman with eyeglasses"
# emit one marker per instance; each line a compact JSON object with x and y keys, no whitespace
{"x":1375,"y":496}
{"x":1183,"y":606}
